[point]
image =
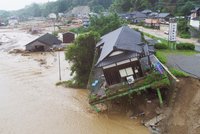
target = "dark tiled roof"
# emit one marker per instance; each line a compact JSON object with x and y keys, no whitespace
{"x":48,"y":39}
{"x":124,"y":38}
{"x":163,"y":15}
{"x":137,"y":14}
{"x":153,"y":14}
{"x":115,"y":59}
{"x":159,"y":15}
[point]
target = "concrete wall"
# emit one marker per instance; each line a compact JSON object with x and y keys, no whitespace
{"x":195,"y":23}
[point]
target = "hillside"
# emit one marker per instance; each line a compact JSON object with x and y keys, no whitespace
{"x":37,"y":10}
{"x":178,"y":7}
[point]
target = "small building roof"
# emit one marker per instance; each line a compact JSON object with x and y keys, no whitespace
{"x":124,"y":38}
{"x":137,"y":14}
{"x":159,"y":15}
{"x":153,"y":14}
{"x":163,"y":15}
{"x":196,"y":9}
{"x":47,"y":39}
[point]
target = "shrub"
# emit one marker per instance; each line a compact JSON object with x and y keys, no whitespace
{"x":185,"y":46}
{"x":185,"y":35}
{"x":141,"y":23}
{"x":161,"y":46}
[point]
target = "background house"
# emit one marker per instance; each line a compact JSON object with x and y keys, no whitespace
{"x":155,"y":19}
{"x":195,"y":18}
{"x":134,"y":17}
{"x":44,"y":43}
{"x":164,"y":17}
{"x":12,"y":21}
{"x":146,"y":11}
{"x":68,"y":37}
{"x":120,"y":52}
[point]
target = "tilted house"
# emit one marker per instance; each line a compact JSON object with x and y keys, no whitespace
{"x":43,"y":43}
{"x":120,"y":52}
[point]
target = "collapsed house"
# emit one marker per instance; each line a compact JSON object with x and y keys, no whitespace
{"x":125,"y":64}
{"x":120,"y":53}
{"x":44,"y":43}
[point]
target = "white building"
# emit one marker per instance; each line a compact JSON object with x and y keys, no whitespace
{"x":13,"y":21}
{"x":52,"y":16}
{"x":195,"y":18}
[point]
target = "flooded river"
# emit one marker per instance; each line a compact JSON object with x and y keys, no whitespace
{"x":30,"y":103}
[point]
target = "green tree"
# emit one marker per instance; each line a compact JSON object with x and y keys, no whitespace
{"x":105,"y":24}
{"x":81,"y":55}
{"x":185,"y":10}
{"x":183,"y":29}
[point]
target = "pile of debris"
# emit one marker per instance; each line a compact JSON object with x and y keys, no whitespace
{"x":17,"y":51}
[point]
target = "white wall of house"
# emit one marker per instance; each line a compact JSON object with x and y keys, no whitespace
{"x":164,"y":27}
{"x":195,"y":23}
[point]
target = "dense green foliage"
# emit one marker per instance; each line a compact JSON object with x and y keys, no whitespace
{"x":185,"y":46}
{"x":81,"y":55}
{"x":179,"y":7}
{"x":105,"y":24}
{"x":183,"y":29}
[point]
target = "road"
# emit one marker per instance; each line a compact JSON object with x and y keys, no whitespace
{"x":188,"y":64}
{"x":160,"y":34}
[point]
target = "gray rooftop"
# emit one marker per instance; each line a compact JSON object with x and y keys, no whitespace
{"x":159,"y":15}
{"x":48,"y":39}
{"x":138,"y":14}
{"x":124,"y":38}
{"x":163,"y":15}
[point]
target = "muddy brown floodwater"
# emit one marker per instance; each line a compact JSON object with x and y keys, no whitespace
{"x":30,"y":103}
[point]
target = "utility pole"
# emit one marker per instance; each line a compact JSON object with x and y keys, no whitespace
{"x":59,"y":67}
